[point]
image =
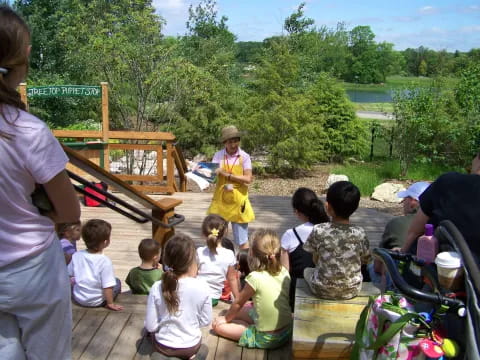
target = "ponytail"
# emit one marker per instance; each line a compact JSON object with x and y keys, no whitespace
{"x":265,"y":252}
{"x":214,"y":228}
{"x":179,"y":255}
{"x":317,"y":213}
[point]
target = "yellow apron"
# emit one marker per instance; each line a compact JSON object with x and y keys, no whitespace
{"x":233,"y":205}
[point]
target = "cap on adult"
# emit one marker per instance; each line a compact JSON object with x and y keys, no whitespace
{"x":414,"y":191}
{"x":229,"y":132}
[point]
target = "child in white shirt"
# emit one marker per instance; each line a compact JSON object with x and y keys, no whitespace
{"x":216,"y":263}
{"x":95,"y":283}
{"x":179,"y":304}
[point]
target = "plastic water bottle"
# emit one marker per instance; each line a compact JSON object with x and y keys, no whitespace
{"x":427,"y":246}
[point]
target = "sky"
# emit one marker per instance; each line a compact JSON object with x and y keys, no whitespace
{"x":436,"y":24}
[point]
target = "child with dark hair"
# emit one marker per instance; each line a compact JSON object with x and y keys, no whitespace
{"x":141,"y":278}
{"x":179,"y":304}
{"x":95,"y":283}
{"x":268,"y":324}
{"x":69,"y":234}
{"x":242,"y":266}
{"x":310,"y":210}
{"x":339,"y":249}
{"x":216,"y":263}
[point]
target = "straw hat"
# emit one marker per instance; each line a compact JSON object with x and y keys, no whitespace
{"x":229,"y":132}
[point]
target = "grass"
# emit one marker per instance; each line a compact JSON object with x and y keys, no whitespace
{"x":380,"y":107}
{"x":368,"y":175}
{"x":395,"y":82}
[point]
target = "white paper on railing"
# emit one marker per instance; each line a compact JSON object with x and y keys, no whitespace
{"x":201,"y":182}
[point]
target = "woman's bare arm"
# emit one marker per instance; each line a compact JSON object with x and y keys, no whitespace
{"x":62,"y":195}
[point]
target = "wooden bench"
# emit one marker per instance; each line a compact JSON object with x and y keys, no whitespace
{"x":325,"y":329}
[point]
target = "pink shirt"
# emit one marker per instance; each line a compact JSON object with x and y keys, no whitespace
{"x":33,"y":155}
{"x":220,"y":156}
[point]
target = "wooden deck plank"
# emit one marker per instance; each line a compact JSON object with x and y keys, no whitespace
{"x":144,"y":349}
{"x":77,"y":314}
{"x":106,"y":336}
{"x":85,"y":331}
{"x":228,"y":350}
{"x":129,"y":340}
{"x":282,"y":353}
{"x":254,"y":354}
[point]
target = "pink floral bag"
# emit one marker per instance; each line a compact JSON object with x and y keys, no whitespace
{"x":387,"y":329}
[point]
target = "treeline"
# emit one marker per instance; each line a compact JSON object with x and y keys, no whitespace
{"x":288,"y":101}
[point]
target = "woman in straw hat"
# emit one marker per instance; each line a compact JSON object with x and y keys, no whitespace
{"x":230,"y":199}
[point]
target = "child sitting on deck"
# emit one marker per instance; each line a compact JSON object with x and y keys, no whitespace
{"x":339,"y":249}
{"x":141,"y":278}
{"x":95,"y":284}
{"x":268,"y":324}
{"x":216,"y":263}
{"x":179,"y":304}
{"x":69,"y":234}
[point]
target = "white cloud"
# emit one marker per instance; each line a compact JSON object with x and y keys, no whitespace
{"x":406,"y":19}
{"x":428,"y":10}
{"x":470,"y":29}
{"x":169,"y":5}
{"x":470,"y":9}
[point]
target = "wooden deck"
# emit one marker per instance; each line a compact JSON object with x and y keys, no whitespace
{"x":102,"y":334}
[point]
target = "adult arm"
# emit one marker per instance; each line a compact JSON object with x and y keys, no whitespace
{"x":417,"y":227}
{"x":60,"y":191}
{"x":246,"y":178}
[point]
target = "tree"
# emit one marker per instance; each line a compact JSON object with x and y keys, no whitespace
{"x":297,"y":23}
{"x":364,"y":65}
{"x":428,"y":128}
{"x":209,"y":43}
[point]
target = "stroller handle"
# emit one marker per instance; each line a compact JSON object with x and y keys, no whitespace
{"x":386,"y":257}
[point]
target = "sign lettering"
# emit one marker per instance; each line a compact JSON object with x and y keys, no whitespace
{"x":64,"y":90}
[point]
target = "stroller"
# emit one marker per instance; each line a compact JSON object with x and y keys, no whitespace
{"x":458,"y":314}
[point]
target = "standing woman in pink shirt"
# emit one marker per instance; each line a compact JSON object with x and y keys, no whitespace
{"x":35,"y":308}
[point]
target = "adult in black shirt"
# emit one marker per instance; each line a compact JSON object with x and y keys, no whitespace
{"x":454,"y":197}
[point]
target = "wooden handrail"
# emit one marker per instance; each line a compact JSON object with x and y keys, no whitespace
{"x":130,"y":135}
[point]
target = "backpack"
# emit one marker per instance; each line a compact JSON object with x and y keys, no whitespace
{"x":90,"y":201}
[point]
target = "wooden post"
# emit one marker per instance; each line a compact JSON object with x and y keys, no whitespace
{"x":161,"y":234}
{"x":105,"y":126}
{"x":170,"y":168}
{"x":23,"y":93}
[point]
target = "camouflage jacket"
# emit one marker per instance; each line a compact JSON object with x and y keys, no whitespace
{"x":339,"y":250}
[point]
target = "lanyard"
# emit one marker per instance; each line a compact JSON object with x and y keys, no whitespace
{"x":227,"y":167}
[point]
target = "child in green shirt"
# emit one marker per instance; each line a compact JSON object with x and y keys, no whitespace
{"x":141,"y":278}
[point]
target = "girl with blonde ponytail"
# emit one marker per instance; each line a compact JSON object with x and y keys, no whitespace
{"x":217,"y":263}
{"x":179,"y":304}
{"x":35,"y":307}
{"x":268,"y":323}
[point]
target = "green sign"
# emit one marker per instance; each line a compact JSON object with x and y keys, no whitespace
{"x":64,"y":90}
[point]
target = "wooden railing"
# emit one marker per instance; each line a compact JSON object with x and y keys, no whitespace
{"x":147,"y":160}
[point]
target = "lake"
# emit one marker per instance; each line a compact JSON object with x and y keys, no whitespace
{"x":370,"y":96}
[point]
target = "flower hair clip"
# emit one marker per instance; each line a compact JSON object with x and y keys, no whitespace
{"x":167,"y":268}
{"x":214,"y":232}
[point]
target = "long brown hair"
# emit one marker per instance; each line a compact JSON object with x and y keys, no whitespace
{"x":178,"y":255}
{"x":264,"y":253}
{"x":14,"y":41}
{"x":214,"y":228}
